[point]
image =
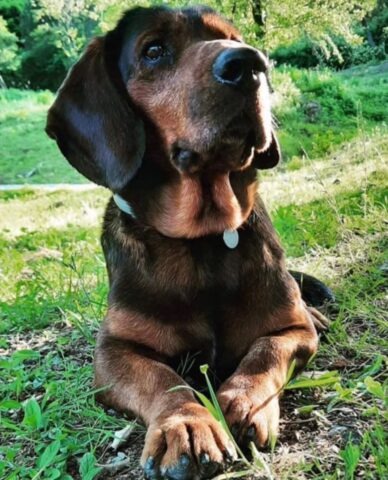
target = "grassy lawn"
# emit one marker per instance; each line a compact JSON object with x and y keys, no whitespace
{"x":331,"y":215}
{"x":27,"y":155}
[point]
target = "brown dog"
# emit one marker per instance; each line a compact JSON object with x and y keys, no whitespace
{"x":171,"y":112}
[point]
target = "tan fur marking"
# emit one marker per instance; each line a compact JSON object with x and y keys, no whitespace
{"x":144,"y":331}
{"x":180,"y":213}
{"x":170,"y":340}
{"x":220,"y":26}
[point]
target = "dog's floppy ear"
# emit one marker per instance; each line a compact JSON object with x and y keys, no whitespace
{"x":270,"y":157}
{"x":93,"y":122}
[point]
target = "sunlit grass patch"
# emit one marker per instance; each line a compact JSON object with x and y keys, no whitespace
{"x":45,"y":210}
{"x":27,"y":155}
{"x":50,"y":276}
{"x":324,"y":223}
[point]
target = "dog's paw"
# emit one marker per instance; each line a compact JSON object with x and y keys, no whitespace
{"x":252,"y":417}
{"x":187,"y":444}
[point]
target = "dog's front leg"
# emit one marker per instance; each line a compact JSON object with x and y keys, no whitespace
{"x":183,"y":440}
{"x":250,"y":397}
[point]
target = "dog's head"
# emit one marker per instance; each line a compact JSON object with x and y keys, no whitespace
{"x":174,"y":90}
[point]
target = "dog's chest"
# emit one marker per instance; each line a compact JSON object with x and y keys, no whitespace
{"x":203,"y":266}
{"x":208,"y":285}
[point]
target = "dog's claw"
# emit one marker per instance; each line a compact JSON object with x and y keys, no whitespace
{"x":234,"y":431}
{"x":230,"y":454}
{"x":208,"y":468}
{"x":184,"y":460}
{"x":181,"y":471}
{"x":151,"y":472}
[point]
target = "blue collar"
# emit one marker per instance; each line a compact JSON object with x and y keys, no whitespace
{"x":123,"y":205}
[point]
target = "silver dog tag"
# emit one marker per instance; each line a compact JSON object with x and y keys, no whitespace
{"x":231,"y":238}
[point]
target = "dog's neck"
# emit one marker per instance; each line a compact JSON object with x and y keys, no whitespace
{"x":230,"y":237}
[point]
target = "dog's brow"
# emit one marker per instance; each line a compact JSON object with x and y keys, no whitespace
{"x":220,"y":26}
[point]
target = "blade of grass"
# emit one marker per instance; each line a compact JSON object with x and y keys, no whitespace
{"x":328,"y":378}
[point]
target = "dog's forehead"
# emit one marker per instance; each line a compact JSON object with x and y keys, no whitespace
{"x":196,"y":21}
{"x":177,"y":26}
{"x":218,"y":25}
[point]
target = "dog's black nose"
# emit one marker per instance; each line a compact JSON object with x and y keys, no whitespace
{"x":240,"y":67}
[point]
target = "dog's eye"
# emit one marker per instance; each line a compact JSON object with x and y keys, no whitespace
{"x":154,"y":52}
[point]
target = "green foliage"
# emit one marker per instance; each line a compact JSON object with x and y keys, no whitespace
{"x":9,"y":60}
{"x":337,"y":54}
{"x":323,"y":380}
{"x":33,"y":417}
{"x":337,"y":50}
{"x":56,"y":35}
{"x":377,"y":24}
{"x":300,"y":54}
{"x":87,"y":468}
{"x":287,"y":20}
{"x":11,"y":10}
{"x":351,"y":456}
{"x":48,"y":455}
{"x":44,"y":63}
{"x":45,"y":37}
{"x":318,"y":109}
{"x":334,"y":96}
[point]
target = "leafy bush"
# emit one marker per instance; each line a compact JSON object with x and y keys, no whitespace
{"x":300,"y":54}
{"x":9,"y":60}
{"x":378,"y":24}
{"x":44,"y":64}
{"x":287,"y":95}
{"x":53,"y":35}
{"x":365,"y":53}
{"x":332,"y":94}
{"x":335,"y":53}
{"x":11,"y":11}
{"x":319,"y":109}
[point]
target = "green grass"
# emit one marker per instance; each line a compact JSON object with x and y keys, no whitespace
{"x":318,"y":224}
{"x":343,"y":102}
{"x":27,"y":155}
{"x":331,"y":216}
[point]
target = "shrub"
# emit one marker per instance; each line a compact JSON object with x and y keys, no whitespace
{"x":332,"y":94}
{"x":9,"y":60}
{"x":337,"y":53}
{"x":44,"y":64}
{"x":286,"y":94}
{"x":300,"y":54}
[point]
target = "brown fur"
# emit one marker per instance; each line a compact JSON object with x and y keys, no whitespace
{"x":176,"y":290}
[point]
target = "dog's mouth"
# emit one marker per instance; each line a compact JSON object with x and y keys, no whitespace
{"x":230,"y":149}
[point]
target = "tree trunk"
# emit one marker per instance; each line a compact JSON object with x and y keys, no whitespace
{"x":370,"y":38}
{"x":259,"y":16}
{"x":2,"y":82}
